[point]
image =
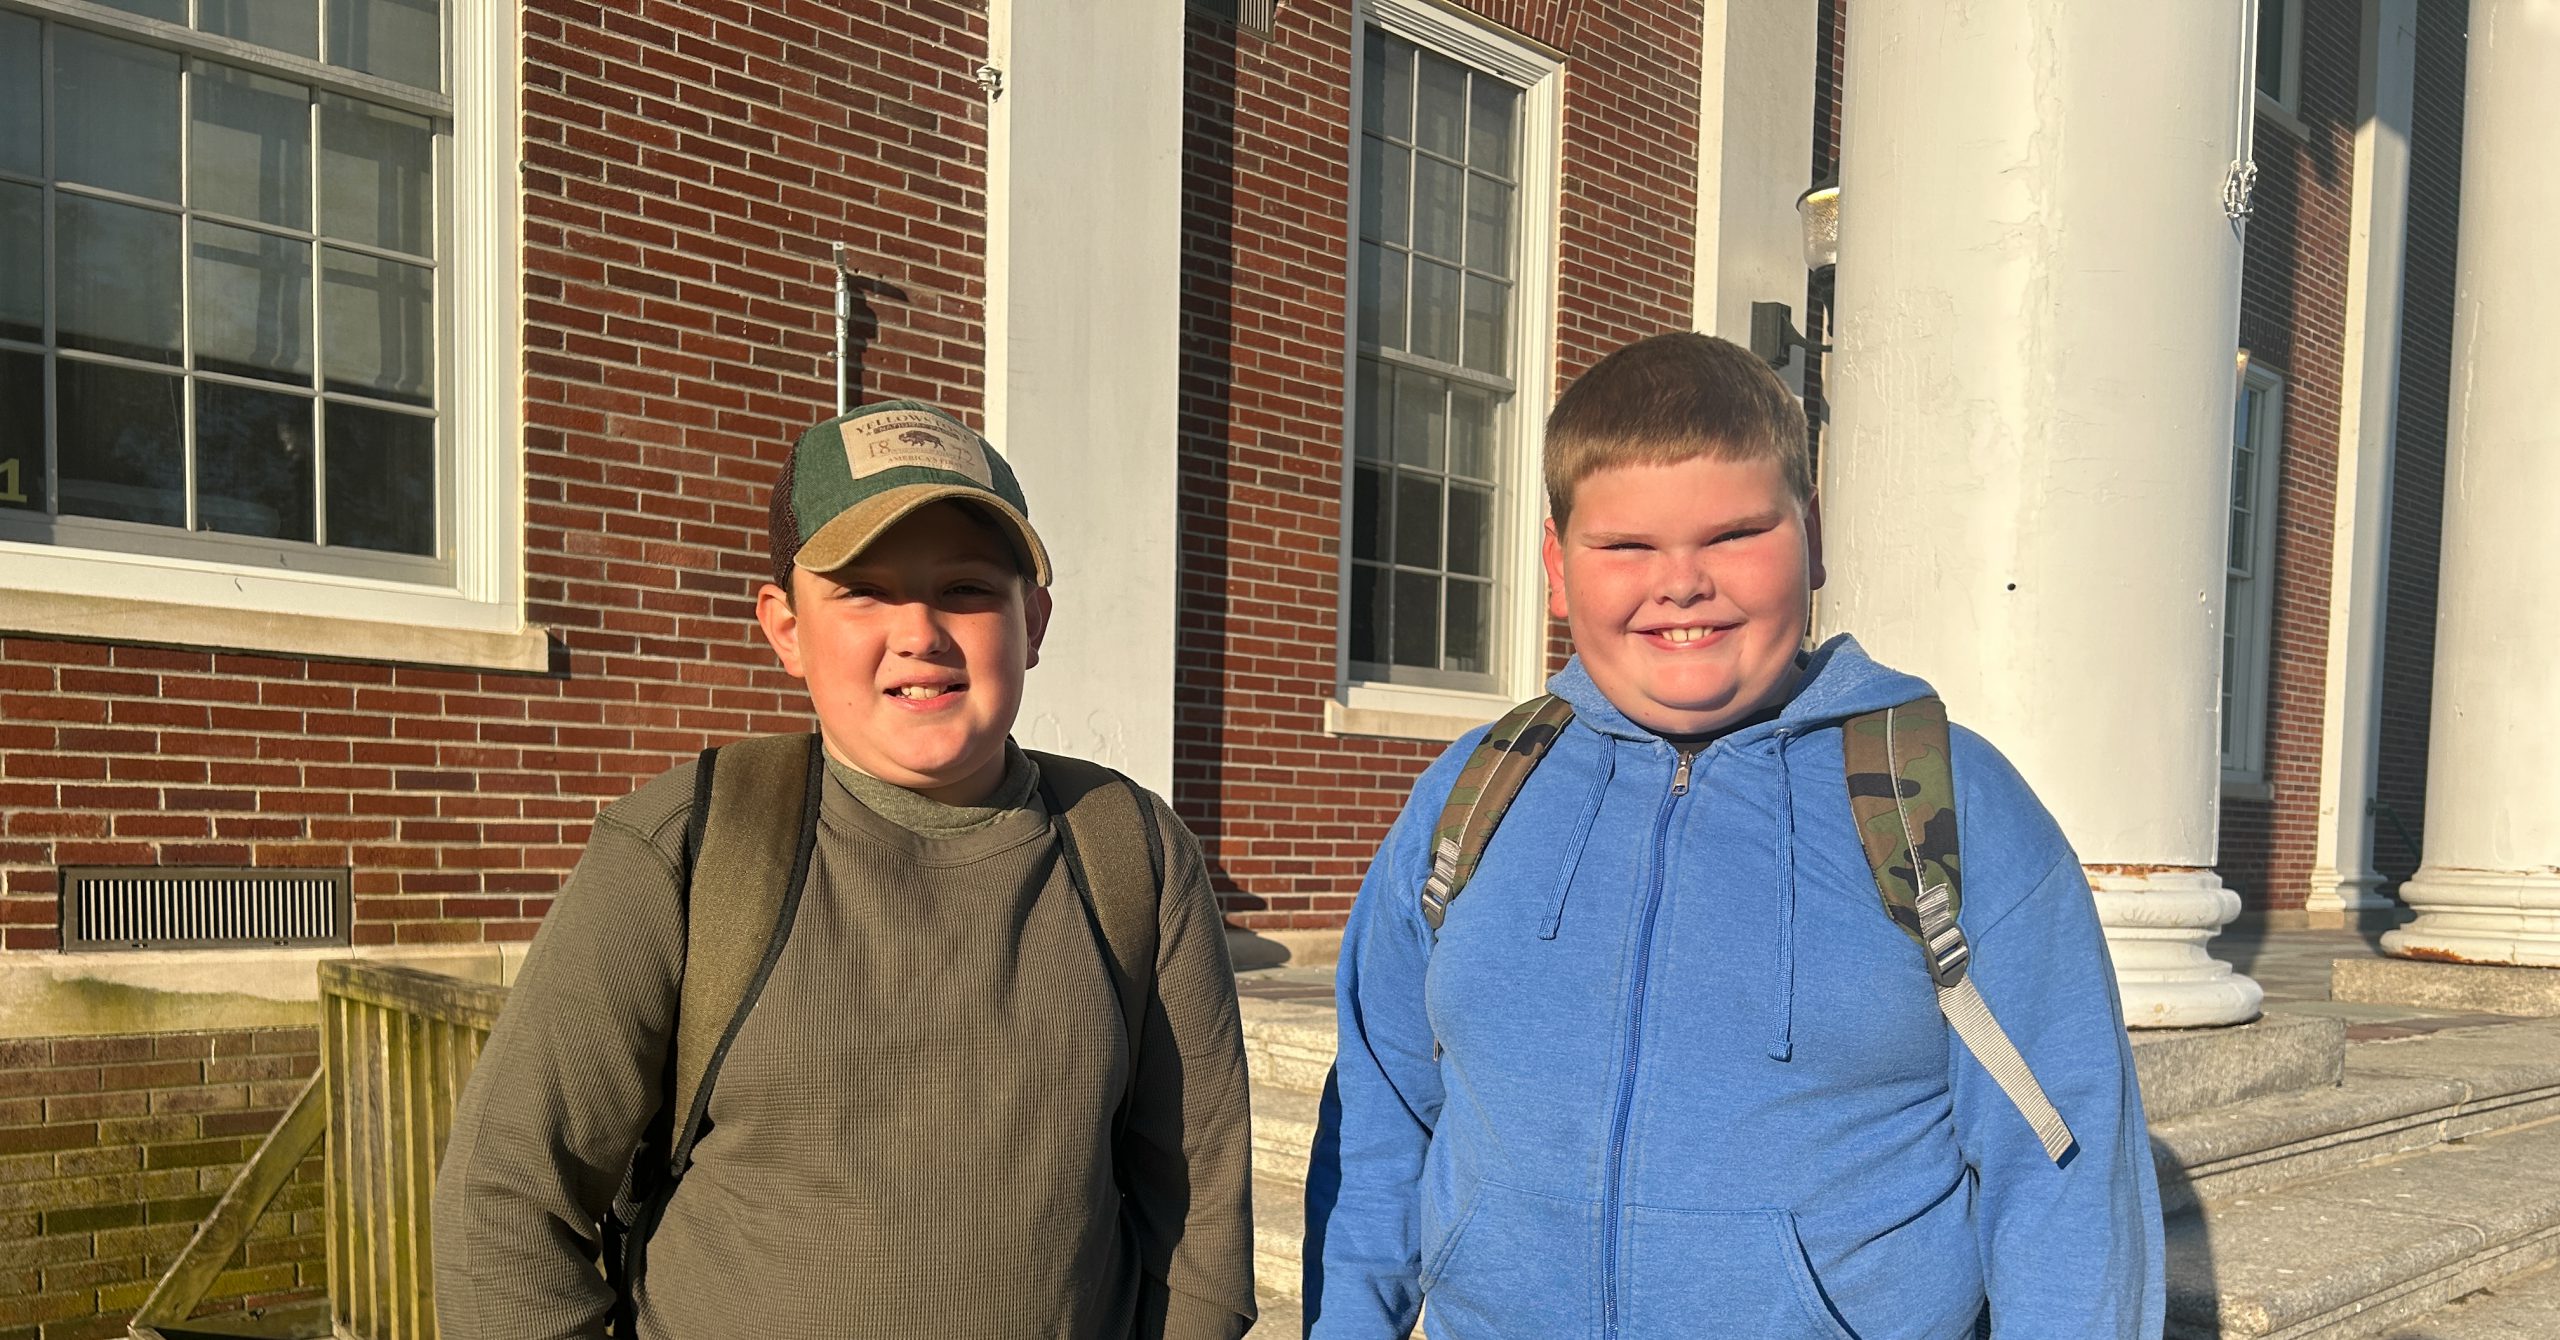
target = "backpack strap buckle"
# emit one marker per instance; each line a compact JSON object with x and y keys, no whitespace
{"x":1443,"y":882}
{"x":1941,"y":937}
{"x":1492,"y":775}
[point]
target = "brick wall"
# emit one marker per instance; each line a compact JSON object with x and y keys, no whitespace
{"x":686,"y":168}
{"x":1290,"y":816}
{"x":2417,"y":497}
{"x":2293,"y":303}
{"x":113,"y":1149}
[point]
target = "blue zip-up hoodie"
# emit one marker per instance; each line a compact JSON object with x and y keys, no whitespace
{"x":1669,"y":1070}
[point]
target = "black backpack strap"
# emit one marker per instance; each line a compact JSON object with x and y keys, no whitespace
{"x":1114,"y":854}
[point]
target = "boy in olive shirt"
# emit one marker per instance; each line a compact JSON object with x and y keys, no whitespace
{"x":930,"y":1120}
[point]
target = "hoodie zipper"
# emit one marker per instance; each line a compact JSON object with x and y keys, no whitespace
{"x":1613,"y":1192}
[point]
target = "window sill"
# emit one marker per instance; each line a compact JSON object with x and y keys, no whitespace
{"x":1395,"y":712}
{"x":120,"y":619}
{"x":2282,"y":117}
{"x":2247,"y":790}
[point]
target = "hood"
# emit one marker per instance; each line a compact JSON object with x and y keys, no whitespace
{"x":1840,"y":681}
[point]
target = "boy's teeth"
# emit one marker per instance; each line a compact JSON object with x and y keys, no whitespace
{"x":919,"y":691}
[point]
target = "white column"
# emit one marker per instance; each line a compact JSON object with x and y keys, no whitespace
{"x":2343,"y":880}
{"x":2026,"y":474}
{"x":1084,"y":210}
{"x":1755,"y":123}
{"x":2490,"y":889}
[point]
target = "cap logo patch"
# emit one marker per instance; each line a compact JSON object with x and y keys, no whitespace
{"x":912,"y":439}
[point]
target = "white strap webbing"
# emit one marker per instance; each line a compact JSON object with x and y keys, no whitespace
{"x":1970,"y":1015}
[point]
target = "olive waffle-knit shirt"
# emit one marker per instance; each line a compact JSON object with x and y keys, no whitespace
{"x":913,"y":1133}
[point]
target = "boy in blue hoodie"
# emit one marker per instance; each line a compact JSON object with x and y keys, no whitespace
{"x":1667,"y":1068}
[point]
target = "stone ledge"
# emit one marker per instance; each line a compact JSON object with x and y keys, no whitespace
{"x":2188,"y":1070}
{"x":47,"y":994}
{"x":2483,"y":988}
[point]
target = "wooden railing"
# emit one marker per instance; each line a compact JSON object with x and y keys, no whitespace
{"x":396,"y":1046}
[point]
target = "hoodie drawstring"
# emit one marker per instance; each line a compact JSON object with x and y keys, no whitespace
{"x":1783,"y":1045}
{"x":1581,"y":837}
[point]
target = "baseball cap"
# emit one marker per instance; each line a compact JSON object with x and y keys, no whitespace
{"x":850,"y":478}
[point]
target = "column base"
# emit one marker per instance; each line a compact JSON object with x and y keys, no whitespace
{"x":2341,"y":901}
{"x":2509,"y":917}
{"x":2157,"y":921}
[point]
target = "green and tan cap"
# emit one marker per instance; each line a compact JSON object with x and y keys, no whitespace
{"x":852,"y":477}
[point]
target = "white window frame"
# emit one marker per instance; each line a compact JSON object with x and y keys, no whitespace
{"x":1403,"y":711}
{"x":2244,"y":770}
{"x":476,"y":617}
{"x":2286,"y":102}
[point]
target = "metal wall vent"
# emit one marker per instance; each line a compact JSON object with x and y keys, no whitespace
{"x":202,"y":907}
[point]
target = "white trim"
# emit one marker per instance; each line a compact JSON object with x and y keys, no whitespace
{"x":481,"y":330}
{"x":1521,"y":625}
{"x":2268,"y":109}
{"x":1459,"y":36}
{"x":123,"y":620}
{"x":2256,"y":644}
{"x":2343,"y":878}
{"x":1389,"y":723}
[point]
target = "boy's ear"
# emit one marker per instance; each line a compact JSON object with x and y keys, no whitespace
{"x":1813,"y":574}
{"x":1036,"y":608}
{"x":781,"y":628}
{"x":1552,"y":550}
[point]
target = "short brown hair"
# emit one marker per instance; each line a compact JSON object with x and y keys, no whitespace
{"x":1671,"y":398}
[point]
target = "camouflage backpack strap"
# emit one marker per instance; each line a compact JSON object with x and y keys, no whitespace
{"x":1487,"y":782}
{"x":1902,"y":793}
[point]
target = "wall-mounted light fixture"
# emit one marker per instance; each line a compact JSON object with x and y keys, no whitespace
{"x":1774,"y":336}
{"x":1819,"y":207}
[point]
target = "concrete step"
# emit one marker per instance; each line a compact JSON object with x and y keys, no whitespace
{"x":2353,"y":1254}
{"x":1279,"y":1319}
{"x":1288,"y":1044}
{"x":1284,"y":1132}
{"x":2523,"y":1307}
{"x":1279,"y":1232}
{"x":2397,"y":1097}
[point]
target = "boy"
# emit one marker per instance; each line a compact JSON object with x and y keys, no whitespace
{"x":933,"y":1118}
{"x":1675,"y":1072}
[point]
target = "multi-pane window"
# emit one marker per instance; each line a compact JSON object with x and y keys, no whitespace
{"x":2248,"y":576}
{"x":1439,"y":186}
{"x":219,"y":307}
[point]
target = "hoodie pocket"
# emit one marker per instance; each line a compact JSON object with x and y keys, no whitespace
{"x":1722,"y":1273}
{"x":1515,"y":1263}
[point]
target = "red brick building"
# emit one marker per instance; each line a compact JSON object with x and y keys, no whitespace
{"x":430,"y":519}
